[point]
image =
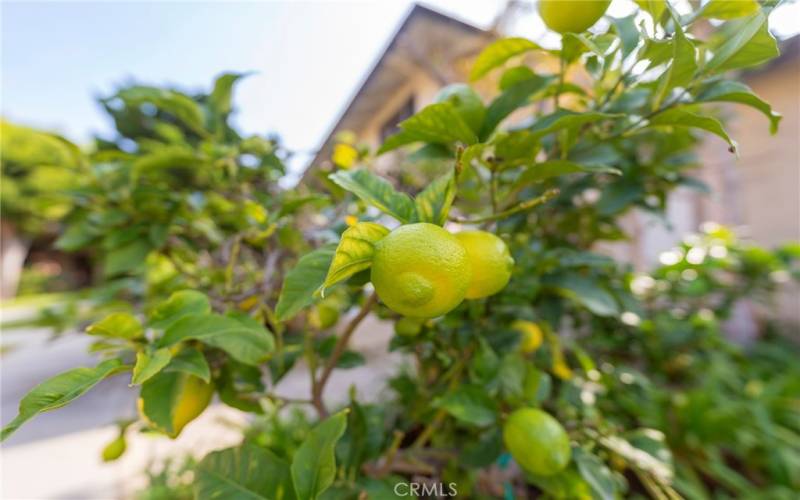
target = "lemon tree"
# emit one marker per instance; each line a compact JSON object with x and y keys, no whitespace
{"x":532,"y":365}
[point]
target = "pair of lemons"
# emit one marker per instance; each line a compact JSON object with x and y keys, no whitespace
{"x":423,"y":271}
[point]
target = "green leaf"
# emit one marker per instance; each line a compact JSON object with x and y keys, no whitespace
{"x":681,"y":70}
{"x":596,"y":473}
{"x":354,"y":252}
{"x":314,"y":464}
{"x":126,"y":259}
{"x":567,"y":119}
{"x":653,"y":7}
{"x":628,"y":33}
{"x":303,"y":281}
{"x":498,"y":52}
{"x":573,"y":45}
{"x":148,"y":364}
{"x":179,"y":304}
{"x":587,"y":292}
{"x":59,"y":391}
{"x":514,"y":97}
{"x":728,"y":9}
{"x":170,"y":400}
{"x":438,"y":123}
{"x":117,"y":325}
{"x":514,"y":149}
{"x":470,"y":404}
{"x":554,"y":168}
{"x":434,"y":202}
{"x":244,"y":342}
{"x":749,"y":44}
{"x":680,"y":117}
{"x":179,"y":105}
{"x":220,"y":99}
{"x":190,"y":361}
{"x":377,"y":192}
{"x":732,"y":91}
{"x":245,"y":472}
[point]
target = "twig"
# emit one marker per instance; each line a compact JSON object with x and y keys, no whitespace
{"x":521,"y":207}
{"x":318,"y":386}
{"x":387,"y":465}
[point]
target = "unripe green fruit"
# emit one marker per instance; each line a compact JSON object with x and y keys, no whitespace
{"x":537,"y":441}
{"x":571,"y":16}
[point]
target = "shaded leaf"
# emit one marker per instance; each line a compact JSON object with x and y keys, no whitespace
{"x":303,"y":280}
{"x":587,"y":292}
{"x":554,"y":168}
{"x":314,"y":464}
{"x":434,"y":202}
{"x":179,"y":304}
{"x":596,"y":473}
{"x":512,"y":98}
{"x":438,"y":123}
{"x":731,"y":91}
{"x":680,"y":117}
{"x":190,"y":361}
{"x":245,"y":472}
{"x":566,"y":119}
{"x":470,"y":404}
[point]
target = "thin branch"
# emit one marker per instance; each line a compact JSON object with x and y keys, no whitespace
{"x":521,"y":207}
{"x":341,"y":345}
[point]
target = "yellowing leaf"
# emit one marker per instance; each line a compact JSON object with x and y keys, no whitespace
{"x":354,"y":252}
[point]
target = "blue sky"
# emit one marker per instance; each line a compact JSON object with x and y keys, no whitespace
{"x":309,"y":57}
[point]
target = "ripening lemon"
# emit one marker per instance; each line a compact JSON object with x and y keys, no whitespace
{"x":531,"y":335}
{"x":491,"y":263}
{"x":537,"y":441}
{"x":571,"y":16}
{"x":466,"y":101}
{"x":420,"y":270}
{"x":193,"y":396}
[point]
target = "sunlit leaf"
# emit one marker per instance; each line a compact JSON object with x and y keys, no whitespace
{"x":749,"y":43}
{"x":377,"y":192}
{"x":731,"y":91}
{"x":117,"y":325}
{"x":59,"y":391}
{"x":354,"y":252}
{"x":149,"y":363}
{"x":679,"y":117}
{"x":433,"y":203}
{"x":498,"y":52}
{"x":728,"y":9}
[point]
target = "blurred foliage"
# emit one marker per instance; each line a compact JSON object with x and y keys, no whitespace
{"x":218,"y":280}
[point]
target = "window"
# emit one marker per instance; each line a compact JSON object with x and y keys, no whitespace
{"x":405,"y":111}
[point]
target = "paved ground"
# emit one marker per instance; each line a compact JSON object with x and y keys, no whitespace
{"x":57,"y":454}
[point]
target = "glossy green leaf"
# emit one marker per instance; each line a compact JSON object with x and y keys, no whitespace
{"x":244,"y":342}
{"x":190,"y":361}
{"x":314,"y":464}
{"x":247,"y":472}
{"x":574,"y":45}
{"x":749,"y":44}
{"x":680,"y":117}
{"x":514,"y":97}
{"x":179,"y":304}
{"x":682,"y":68}
{"x":434,"y":202}
{"x":354,"y":252}
{"x":377,"y":192}
{"x":303,"y":280}
{"x":470,"y":404}
{"x":117,"y":325}
{"x":653,"y":7}
{"x":731,"y":91}
{"x":439,"y":123}
{"x":498,"y":52}
{"x":59,"y":391}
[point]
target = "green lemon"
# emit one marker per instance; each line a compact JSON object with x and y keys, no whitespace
{"x":420,"y":270}
{"x":537,"y":441}
{"x":408,"y":327}
{"x":571,"y":16}
{"x":491,"y":263}
{"x":467,"y":102}
{"x":531,"y":335}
